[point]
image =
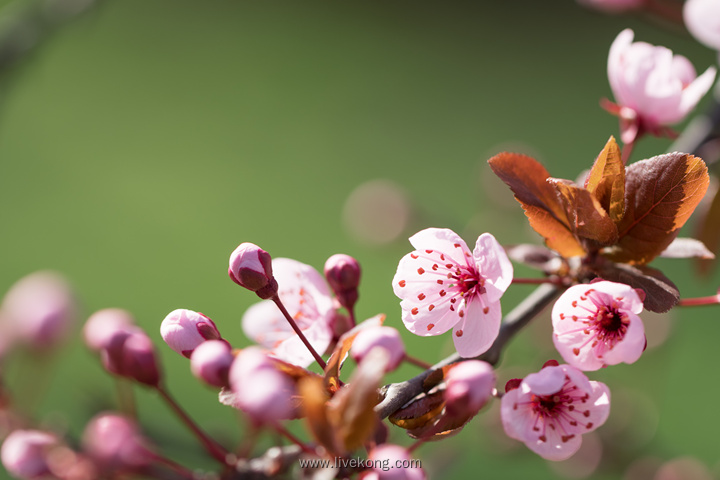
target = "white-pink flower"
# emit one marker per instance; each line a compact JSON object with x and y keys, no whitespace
{"x":443,"y":285}
{"x":552,"y":409}
{"x":597,"y":324}
{"x":702,"y":19}
{"x":653,"y":87}
{"x":307,"y":298}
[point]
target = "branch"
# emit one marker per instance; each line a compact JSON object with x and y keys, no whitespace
{"x":396,"y":395}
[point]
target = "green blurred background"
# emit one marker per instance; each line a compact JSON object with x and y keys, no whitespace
{"x":142,"y":142}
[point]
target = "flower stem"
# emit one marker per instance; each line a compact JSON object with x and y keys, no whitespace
{"x":212,"y":447}
{"x":627,"y":151}
{"x":299,"y":332}
{"x":696,"y":302}
{"x":417,"y":362}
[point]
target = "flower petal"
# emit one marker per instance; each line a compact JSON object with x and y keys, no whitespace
{"x":494,"y":266}
{"x":478,"y":330}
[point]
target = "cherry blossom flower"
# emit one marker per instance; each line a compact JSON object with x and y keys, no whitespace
{"x":443,"y":285}
{"x":653,"y":87}
{"x":597,"y":325}
{"x":552,"y":409}
{"x":702,"y":19}
{"x":307,"y":298}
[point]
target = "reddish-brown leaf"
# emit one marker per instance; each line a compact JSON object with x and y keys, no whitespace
{"x":661,"y":194}
{"x":314,"y":404}
{"x":420,"y":412}
{"x":526,"y":178}
{"x":588,"y":219}
{"x":335,"y":362}
{"x":661,"y":294}
{"x":709,"y":232}
{"x":606,"y":180}
{"x":352,"y":410}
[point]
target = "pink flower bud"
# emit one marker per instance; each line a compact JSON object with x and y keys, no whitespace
{"x":114,"y":442}
{"x":130,"y":353}
{"x":393,"y":462}
{"x":653,"y":87}
{"x":251,"y":267}
{"x":469,"y":387}
{"x":386,"y":338}
{"x":183,"y":330}
{"x":40,"y":309}
{"x":210,"y":362}
{"x":263,"y":392}
{"x":702,"y":19}
{"x":343,"y":274}
{"x":103,"y":324}
{"x":25,"y":453}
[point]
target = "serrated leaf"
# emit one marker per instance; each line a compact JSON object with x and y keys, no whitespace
{"x":587,"y":218}
{"x":337,"y":358}
{"x":606,"y":180}
{"x":661,"y":294}
{"x":526,"y":178}
{"x":687,"y":248}
{"x":661,"y":194}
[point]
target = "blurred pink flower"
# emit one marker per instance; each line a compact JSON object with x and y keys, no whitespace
{"x":210,"y":362}
{"x":597,"y":324}
{"x":613,"y":6}
{"x":25,"y":453}
{"x":702,"y":19}
{"x":39,"y":309}
{"x":443,"y":285}
{"x":307,"y":298}
{"x":393,"y":462}
{"x":130,"y":353}
{"x":552,"y":409}
{"x":652,"y":87}
{"x":261,"y":390}
{"x":386,"y":338}
{"x":103,"y":324}
{"x":183,"y":330}
{"x":469,"y":386}
{"x":114,"y":442}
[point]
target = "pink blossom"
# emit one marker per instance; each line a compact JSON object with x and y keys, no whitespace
{"x":25,"y":453}
{"x":597,"y":325}
{"x":114,"y":442}
{"x":251,"y":267}
{"x":183,"y":330}
{"x":702,"y":19}
{"x":469,"y":386}
{"x":262,"y":391}
{"x":210,"y":362}
{"x":653,"y":87}
{"x":307,"y":299}
{"x":343,"y":274}
{"x":613,"y":6}
{"x":39,"y":309}
{"x":393,"y":462}
{"x":443,"y":285}
{"x":552,"y":409}
{"x":386,"y":338}
{"x":103,"y":324}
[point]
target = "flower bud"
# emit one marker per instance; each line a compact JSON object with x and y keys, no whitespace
{"x":40,"y":309}
{"x":210,"y":362}
{"x":469,"y":386}
{"x":263,"y":392}
{"x":251,"y":267}
{"x":343,"y":274}
{"x":386,"y":338}
{"x":183,"y":330}
{"x":393,"y":462}
{"x":130,"y":353}
{"x":114,"y":443}
{"x":25,"y":453}
{"x":103,"y":324}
